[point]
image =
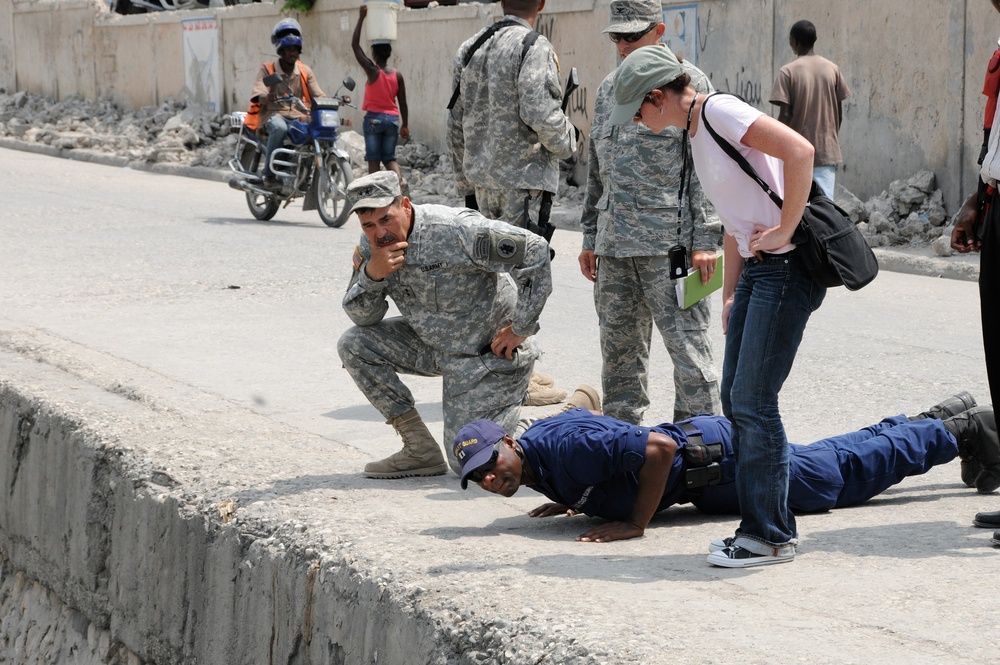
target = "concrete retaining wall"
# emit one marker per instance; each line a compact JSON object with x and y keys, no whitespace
{"x":104,"y":557}
{"x":916,"y":67}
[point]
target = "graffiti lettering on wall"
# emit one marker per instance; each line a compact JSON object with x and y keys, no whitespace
{"x":579,"y":103}
{"x":739,"y":84}
{"x":544,"y":25}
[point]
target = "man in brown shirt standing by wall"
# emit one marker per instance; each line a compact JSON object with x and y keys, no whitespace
{"x":809,"y":91}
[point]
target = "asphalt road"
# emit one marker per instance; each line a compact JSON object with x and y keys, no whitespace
{"x":168,"y":281}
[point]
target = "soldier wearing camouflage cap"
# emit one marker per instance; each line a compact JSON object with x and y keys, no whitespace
{"x":506,"y":128}
{"x":470,"y":291}
{"x":630,"y":220}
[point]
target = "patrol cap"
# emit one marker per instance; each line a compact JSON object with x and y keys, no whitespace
{"x":634,"y":15}
{"x":474,"y":445}
{"x":644,"y":70}
{"x":375,"y":190}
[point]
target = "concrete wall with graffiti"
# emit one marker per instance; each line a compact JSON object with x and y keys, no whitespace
{"x":915,"y":66}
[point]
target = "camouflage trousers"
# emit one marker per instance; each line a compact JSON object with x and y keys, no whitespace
{"x":631,"y":294}
{"x":507,"y":205}
{"x":474,"y":386}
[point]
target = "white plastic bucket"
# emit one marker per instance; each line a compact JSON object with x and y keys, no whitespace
{"x":381,"y":21}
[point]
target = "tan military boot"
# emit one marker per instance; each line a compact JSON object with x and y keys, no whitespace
{"x":420,"y":456}
{"x":543,"y":380}
{"x":542,"y":391}
{"x":584,"y":397}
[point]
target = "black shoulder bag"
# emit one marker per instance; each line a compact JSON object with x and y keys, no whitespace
{"x":831,"y":246}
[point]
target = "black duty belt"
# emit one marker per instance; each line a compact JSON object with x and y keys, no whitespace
{"x":701,"y":460}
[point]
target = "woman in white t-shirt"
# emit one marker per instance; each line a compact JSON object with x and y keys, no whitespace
{"x":767,"y":295}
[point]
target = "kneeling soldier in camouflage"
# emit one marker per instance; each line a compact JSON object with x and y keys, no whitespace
{"x":470,"y":291}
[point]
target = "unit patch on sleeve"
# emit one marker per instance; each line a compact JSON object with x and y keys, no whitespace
{"x":507,"y":248}
{"x":481,"y":251}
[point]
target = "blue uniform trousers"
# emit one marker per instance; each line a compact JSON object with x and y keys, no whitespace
{"x":841,"y":471}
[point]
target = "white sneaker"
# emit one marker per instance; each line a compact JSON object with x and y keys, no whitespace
{"x":720,"y":544}
{"x":739,"y":557}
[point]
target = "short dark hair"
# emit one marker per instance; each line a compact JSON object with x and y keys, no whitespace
{"x":679,"y":84}
{"x":382,"y":51}
{"x":522,"y":5}
{"x":804,"y":32}
{"x":364,"y":211}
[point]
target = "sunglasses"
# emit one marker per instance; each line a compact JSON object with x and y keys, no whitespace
{"x":477,"y":475}
{"x":638,"y":113}
{"x":630,"y":37}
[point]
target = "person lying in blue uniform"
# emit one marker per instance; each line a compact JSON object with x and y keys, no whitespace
{"x":585,"y":462}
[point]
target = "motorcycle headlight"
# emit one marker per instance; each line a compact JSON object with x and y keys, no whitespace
{"x":329,"y":119}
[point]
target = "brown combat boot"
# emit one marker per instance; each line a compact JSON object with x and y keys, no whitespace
{"x":420,"y":456}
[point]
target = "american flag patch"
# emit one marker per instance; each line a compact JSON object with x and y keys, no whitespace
{"x":357,"y":259}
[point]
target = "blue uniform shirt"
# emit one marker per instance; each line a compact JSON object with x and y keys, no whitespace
{"x":599,"y":459}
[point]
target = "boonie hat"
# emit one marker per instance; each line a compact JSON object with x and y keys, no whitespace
{"x":375,"y":190}
{"x":634,"y":15}
{"x":474,"y":445}
{"x":644,"y":70}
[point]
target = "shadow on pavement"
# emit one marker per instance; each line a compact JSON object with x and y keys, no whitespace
{"x":233,"y":221}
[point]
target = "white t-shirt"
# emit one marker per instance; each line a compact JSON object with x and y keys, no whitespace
{"x":990,"y":170}
{"x":738,"y":199}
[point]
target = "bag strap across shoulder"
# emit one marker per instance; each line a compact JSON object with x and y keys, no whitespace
{"x":529,"y":39}
{"x":735,"y":154}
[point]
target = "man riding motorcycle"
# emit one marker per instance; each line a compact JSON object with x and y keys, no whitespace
{"x":271,"y":108}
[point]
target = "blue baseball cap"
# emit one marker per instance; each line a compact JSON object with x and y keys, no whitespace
{"x":474,"y":446}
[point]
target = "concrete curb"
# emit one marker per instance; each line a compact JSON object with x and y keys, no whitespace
{"x":95,"y":157}
{"x":928,"y":266}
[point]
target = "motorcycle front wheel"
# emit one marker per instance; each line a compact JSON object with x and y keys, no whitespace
{"x":334,"y":176}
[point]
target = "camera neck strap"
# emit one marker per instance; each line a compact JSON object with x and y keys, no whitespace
{"x":684,"y":167}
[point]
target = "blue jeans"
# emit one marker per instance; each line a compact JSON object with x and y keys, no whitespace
{"x":381,"y":136}
{"x":277,"y":130}
{"x":826,"y":178}
{"x":773,"y":301}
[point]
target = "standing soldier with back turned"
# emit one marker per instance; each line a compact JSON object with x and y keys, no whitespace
{"x":507,"y":130}
{"x":506,"y":127}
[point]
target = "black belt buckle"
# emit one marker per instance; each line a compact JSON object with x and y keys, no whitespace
{"x":702,"y":476}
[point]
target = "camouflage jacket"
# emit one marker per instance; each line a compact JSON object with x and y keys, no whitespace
{"x":463,"y":279}
{"x":632,"y":185}
{"x":507,"y":129}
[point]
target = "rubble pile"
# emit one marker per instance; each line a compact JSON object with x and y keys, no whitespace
{"x":170,"y":132}
{"x":910,"y":212}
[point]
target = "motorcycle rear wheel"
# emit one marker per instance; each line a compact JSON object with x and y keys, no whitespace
{"x":334,"y":176}
{"x":262,"y":207}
